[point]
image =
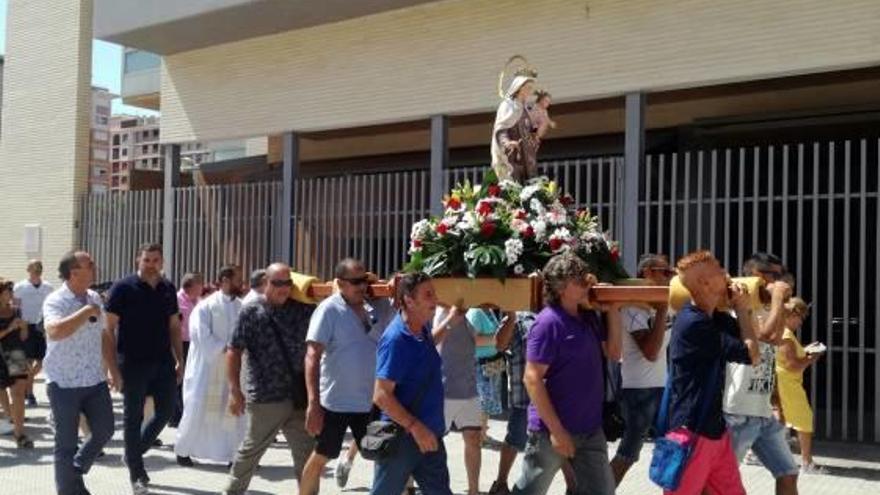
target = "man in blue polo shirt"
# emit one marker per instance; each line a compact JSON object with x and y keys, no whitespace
{"x":147,"y":356}
{"x":409,"y":391}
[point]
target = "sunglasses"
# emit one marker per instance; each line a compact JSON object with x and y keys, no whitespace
{"x":282,"y":283}
{"x":357,"y":281}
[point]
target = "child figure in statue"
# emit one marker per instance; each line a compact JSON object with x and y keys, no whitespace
{"x":540,"y":115}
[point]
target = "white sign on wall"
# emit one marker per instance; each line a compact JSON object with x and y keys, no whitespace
{"x":33,"y":234}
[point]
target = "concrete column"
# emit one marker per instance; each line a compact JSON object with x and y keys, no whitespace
{"x":289,"y":173}
{"x":171,"y":169}
{"x":439,"y":160}
{"x":628,"y":201}
{"x":44,"y":147}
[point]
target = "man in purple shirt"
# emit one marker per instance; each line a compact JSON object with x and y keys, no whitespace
{"x":565,"y":381}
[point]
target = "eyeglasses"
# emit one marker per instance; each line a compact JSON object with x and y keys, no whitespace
{"x":357,"y":281}
{"x":282,"y":283}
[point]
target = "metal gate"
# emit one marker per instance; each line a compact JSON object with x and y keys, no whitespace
{"x":816,"y":205}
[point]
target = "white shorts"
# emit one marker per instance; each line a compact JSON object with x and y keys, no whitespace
{"x":463,"y":414}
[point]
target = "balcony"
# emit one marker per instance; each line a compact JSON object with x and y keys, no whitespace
{"x":140,"y":79}
{"x":171,"y":26}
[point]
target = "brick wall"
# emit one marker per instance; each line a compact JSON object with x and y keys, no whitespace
{"x":44,"y":149}
{"x":444,"y":57}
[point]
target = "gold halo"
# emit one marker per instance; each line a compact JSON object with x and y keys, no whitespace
{"x":523,"y":68}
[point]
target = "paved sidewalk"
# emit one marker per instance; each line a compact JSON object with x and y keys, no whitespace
{"x":855,"y":469}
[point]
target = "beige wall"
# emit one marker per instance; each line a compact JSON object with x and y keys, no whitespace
{"x":44,"y":148}
{"x":444,"y":58}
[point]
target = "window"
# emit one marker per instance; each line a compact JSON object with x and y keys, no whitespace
{"x":116,"y":153}
{"x":124,"y":151}
{"x":116,"y":139}
{"x":139,"y":60}
{"x":125,"y":138}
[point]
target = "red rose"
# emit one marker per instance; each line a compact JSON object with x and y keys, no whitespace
{"x":494,"y":190}
{"x":484,"y":208}
{"x":615,"y":255}
{"x":442,"y":228}
{"x":487,"y":229}
{"x":528,"y":232}
{"x":555,"y":244}
{"x":521,"y":214}
{"x":453,"y":203}
{"x":566,"y":200}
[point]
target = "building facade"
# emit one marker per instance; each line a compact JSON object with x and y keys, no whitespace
{"x":99,"y":149}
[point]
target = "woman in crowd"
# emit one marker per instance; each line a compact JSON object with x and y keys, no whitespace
{"x":490,"y":363}
{"x":13,"y":335}
{"x":791,"y":361}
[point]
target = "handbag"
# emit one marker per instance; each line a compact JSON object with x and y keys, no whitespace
{"x":383,"y":436}
{"x":298,"y":378}
{"x":613,"y":424}
{"x":671,"y":456}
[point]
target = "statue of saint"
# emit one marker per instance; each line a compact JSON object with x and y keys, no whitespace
{"x":515,"y":135}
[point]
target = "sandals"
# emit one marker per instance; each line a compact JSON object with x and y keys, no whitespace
{"x":24,"y":442}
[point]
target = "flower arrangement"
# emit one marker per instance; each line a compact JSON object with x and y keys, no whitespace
{"x":502,"y":228}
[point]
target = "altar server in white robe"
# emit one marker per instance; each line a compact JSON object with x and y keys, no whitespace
{"x":207,"y":430}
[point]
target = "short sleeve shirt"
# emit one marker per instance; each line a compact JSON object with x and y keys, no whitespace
{"x":636,"y":371}
{"x":348,"y":363}
{"x":748,"y":388}
{"x":485,"y":323}
{"x":144,"y":312}
{"x":75,"y":361}
{"x":31,"y":297}
{"x":268,"y":375}
{"x":571,"y":347}
{"x":516,"y":359}
{"x":413,"y":364}
{"x":457,"y":352}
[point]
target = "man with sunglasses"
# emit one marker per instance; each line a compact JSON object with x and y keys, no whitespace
{"x":272,"y":331}
{"x":341,"y":365}
{"x":643,"y":366}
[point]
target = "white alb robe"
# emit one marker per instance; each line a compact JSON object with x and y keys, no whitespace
{"x":207,"y":430}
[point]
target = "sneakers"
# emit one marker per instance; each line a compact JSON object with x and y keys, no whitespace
{"x":813,"y":468}
{"x":31,"y":400}
{"x":138,"y":487}
{"x":498,"y":489}
{"x":343,"y":469}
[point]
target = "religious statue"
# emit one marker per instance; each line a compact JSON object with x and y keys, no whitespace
{"x":515,"y":138}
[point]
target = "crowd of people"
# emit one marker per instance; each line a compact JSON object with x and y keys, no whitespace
{"x":230,"y":369}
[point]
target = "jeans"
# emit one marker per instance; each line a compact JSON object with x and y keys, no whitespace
{"x":67,"y":404}
{"x":517,"y":428}
{"x":429,"y":470}
{"x":766,"y":438}
{"x":590,"y":464}
{"x":638,"y":406}
{"x":138,"y":381}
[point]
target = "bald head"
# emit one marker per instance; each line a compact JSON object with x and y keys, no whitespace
{"x":279,"y":283}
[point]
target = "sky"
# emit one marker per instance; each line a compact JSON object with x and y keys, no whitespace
{"x":106,"y":66}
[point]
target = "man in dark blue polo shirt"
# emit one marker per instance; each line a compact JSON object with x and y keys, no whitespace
{"x":144,"y":354}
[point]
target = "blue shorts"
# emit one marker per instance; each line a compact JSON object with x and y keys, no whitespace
{"x":517,"y":428}
{"x":766,"y":438}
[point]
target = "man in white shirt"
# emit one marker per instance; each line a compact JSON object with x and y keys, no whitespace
{"x":643,"y":365}
{"x":747,"y":408}
{"x":30,"y":294}
{"x":74,"y":372}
